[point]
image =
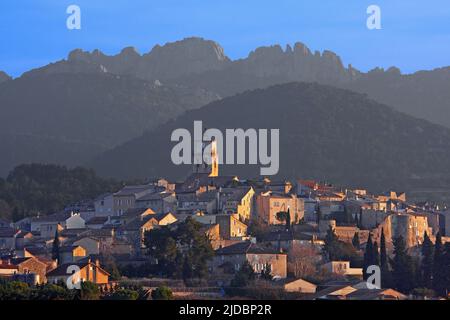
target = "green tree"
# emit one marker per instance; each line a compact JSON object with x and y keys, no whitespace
{"x":53,"y":292}
{"x":89,"y":291}
{"x":110,"y":265}
{"x":288,"y":219}
{"x":123,"y":294}
{"x":281,"y":216}
{"x":163,"y":247}
{"x":336,"y":249}
{"x":45,"y":188}
{"x":386,"y":279}
{"x":439,"y":268}
{"x":355,"y":241}
{"x":376,"y":254}
{"x":55,"y":247}
{"x":447,"y":266}
{"x":319,"y":214}
{"x":266,"y":272}
{"x":162,"y":293}
{"x":369,"y":257}
{"x":402,"y":267}
{"x":426,"y":269}
{"x":348,"y":217}
{"x":14,"y":290}
{"x":257,"y":228}
{"x":181,"y":252}
{"x":244,"y":276}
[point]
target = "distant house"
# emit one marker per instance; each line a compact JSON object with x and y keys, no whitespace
{"x":8,"y":238}
{"x":286,"y":240}
{"x":134,"y":230}
{"x":70,"y":254}
{"x":4,"y":223}
{"x":48,"y":230}
{"x":165,"y":219}
{"x":126,"y":198}
{"x":205,"y":202}
{"x":31,"y":265}
{"x":200,"y":182}
{"x":237,"y":200}
{"x":7,"y":269}
{"x":24,"y":266}
{"x":230,"y":226}
{"x":342,"y":268}
{"x":356,"y":291}
{"x":90,"y":244}
{"x":47,"y":225}
{"x":297,"y":285}
{"x":159,"y":202}
{"x":135,"y":213}
{"x":88,"y":271}
{"x":258,"y":257}
{"x":23,"y":238}
{"x":269,"y":204}
{"x":97,"y":222}
{"x":104,"y":205}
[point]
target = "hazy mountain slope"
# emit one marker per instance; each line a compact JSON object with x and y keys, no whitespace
{"x":170,"y":61}
{"x":200,"y":63}
{"x":4,"y":77}
{"x":325,"y":133}
{"x":87,"y":111}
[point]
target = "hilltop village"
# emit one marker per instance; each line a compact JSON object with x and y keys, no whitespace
{"x":215,"y":236}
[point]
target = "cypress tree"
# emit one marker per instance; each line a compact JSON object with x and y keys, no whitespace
{"x":376,"y":254}
{"x":319,"y":214}
{"x":331,"y":244}
{"x":288,"y":219}
{"x":383,"y":252}
{"x":439,"y":269}
{"x":348,"y":218}
{"x":356,"y":220}
{"x":355,"y":241}
{"x":426,"y":269}
{"x":386,"y":280}
{"x":447,"y":266}
{"x":402,"y":267}
{"x":368,"y":257}
{"x":55,"y":247}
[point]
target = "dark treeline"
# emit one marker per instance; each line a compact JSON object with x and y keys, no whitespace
{"x":44,"y":188}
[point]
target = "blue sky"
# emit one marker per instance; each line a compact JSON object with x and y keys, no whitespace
{"x":415,"y":34}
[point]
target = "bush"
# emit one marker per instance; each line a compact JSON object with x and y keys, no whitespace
{"x":123,"y":294}
{"x":89,"y":291}
{"x":14,"y":290}
{"x":53,"y":292}
{"x":162,"y":293}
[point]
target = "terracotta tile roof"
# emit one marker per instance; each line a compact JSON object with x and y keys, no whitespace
{"x":245,"y":248}
{"x":97,"y":220}
{"x":62,"y":269}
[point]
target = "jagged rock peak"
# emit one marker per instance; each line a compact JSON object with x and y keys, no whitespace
{"x":129,"y":52}
{"x":302,"y":49}
{"x":192,"y":47}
